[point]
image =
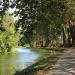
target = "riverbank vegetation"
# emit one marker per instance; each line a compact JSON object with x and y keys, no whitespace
{"x":9,"y":38}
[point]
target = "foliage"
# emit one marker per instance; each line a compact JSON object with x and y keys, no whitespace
{"x":9,"y":38}
{"x":45,"y":21}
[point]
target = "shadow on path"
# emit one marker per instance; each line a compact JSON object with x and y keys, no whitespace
{"x":65,"y":65}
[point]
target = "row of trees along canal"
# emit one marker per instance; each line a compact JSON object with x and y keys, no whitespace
{"x":44,"y":23}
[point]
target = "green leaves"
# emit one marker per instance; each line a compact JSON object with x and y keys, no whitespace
{"x":9,"y":38}
{"x":45,"y":19}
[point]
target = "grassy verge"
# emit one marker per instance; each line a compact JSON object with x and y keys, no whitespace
{"x":47,"y":59}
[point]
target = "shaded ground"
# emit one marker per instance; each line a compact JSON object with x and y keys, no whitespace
{"x":65,"y":65}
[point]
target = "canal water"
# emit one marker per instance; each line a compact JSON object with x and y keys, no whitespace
{"x":12,"y":62}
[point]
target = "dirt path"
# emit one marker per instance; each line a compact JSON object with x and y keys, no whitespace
{"x":65,"y":65}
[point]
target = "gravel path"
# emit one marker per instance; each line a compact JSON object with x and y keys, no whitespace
{"x":65,"y":65}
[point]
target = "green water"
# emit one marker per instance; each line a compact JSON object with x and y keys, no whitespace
{"x":12,"y":62}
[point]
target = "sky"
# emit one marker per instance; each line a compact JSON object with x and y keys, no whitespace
{"x":11,"y":10}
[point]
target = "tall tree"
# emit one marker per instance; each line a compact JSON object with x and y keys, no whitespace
{"x":44,"y":19}
{"x":9,"y":38}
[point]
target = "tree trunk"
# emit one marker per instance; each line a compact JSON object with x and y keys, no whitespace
{"x":71,"y":36}
{"x":64,"y":38}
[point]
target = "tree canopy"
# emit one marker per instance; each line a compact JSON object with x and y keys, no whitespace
{"x":45,"y":22}
{"x":9,"y":38}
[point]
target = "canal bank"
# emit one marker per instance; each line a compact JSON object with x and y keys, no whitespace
{"x":47,"y":59}
{"x":17,"y":61}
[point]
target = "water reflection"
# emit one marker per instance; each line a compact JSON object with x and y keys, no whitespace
{"x":10,"y":63}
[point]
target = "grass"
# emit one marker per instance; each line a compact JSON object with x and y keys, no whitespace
{"x":47,"y":59}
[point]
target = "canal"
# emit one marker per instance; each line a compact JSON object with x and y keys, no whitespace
{"x":12,"y":62}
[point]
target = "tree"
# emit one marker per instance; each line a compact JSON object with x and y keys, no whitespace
{"x":69,"y":28}
{"x":9,"y":38}
{"x":43,"y":20}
